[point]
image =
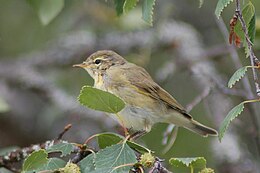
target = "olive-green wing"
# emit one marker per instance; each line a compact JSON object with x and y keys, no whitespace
{"x":143,"y":81}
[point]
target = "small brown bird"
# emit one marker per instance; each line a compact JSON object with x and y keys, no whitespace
{"x":146,"y":102}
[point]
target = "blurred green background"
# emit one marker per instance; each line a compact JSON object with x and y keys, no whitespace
{"x":185,"y":52}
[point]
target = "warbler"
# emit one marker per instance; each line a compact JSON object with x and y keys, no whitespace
{"x":146,"y":102}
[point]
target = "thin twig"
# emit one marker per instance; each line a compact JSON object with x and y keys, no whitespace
{"x":253,"y":59}
{"x":66,"y":128}
{"x":198,"y":99}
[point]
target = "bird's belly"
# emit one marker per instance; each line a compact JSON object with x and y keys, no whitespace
{"x":136,"y":118}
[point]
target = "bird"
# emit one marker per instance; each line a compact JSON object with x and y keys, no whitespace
{"x":146,"y":103}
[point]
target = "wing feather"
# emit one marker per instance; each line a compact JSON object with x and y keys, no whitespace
{"x":143,"y":81}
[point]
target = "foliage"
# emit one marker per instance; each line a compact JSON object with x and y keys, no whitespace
{"x":240,"y":30}
{"x":100,"y":100}
{"x":148,"y":7}
{"x":35,"y":160}
{"x":231,"y":116}
{"x":115,"y":157}
{"x":116,"y":154}
{"x":237,"y":76}
{"x":53,"y":164}
{"x":64,"y":148}
{"x":194,"y":162}
{"x":221,"y":5}
{"x":129,"y":5}
{"x":47,"y":10}
{"x":248,"y":13}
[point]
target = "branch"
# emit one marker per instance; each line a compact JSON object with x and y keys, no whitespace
{"x":198,"y":99}
{"x":245,"y":82}
{"x":253,"y":59}
{"x":18,"y":155}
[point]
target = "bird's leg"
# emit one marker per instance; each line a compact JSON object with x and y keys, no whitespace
{"x":137,"y":134}
{"x":123,"y":125}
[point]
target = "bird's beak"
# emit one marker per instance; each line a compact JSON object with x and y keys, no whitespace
{"x":83,"y":65}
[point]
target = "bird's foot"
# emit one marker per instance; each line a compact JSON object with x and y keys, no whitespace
{"x":137,"y":135}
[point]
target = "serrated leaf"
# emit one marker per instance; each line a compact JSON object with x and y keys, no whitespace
{"x":248,"y":13}
{"x":221,"y":5}
{"x":100,"y":100}
{"x":119,"y":6}
{"x":129,"y":5}
{"x":35,"y":160}
{"x":4,"y":107}
{"x":147,"y":11}
{"x":53,"y":164}
{"x":237,"y":76}
{"x":64,"y":148}
{"x":114,"y":156}
{"x":251,"y":34}
{"x":108,"y":139}
{"x":48,"y":9}
{"x":87,"y":164}
{"x":195,"y":162}
{"x":230,"y":116}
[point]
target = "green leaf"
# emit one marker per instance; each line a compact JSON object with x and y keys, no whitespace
{"x":64,"y":148}
{"x":194,"y":162}
{"x":221,"y":5}
{"x":4,"y":107}
{"x":237,"y":76}
{"x":252,"y":28}
{"x":87,"y":164}
{"x":129,"y":5}
{"x":114,"y":156}
{"x":100,"y":100}
{"x":147,"y":10}
{"x":108,"y":139}
{"x":119,"y":6}
{"x":137,"y":147}
{"x":231,"y":116}
{"x":47,"y":9}
{"x":35,"y":160}
{"x":251,"y":34}
{"x":53,"y":164}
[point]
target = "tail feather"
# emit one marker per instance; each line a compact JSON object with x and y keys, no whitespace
{"x":200,"y":129}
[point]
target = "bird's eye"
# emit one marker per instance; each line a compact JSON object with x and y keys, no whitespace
{"x":97,"y":61}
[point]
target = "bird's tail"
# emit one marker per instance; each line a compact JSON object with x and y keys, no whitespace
{"x":200,"y":128}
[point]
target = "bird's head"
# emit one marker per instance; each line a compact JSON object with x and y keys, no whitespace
{"x":100,"y":61}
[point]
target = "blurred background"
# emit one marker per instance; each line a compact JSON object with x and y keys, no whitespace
{"x":185,"y":51}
